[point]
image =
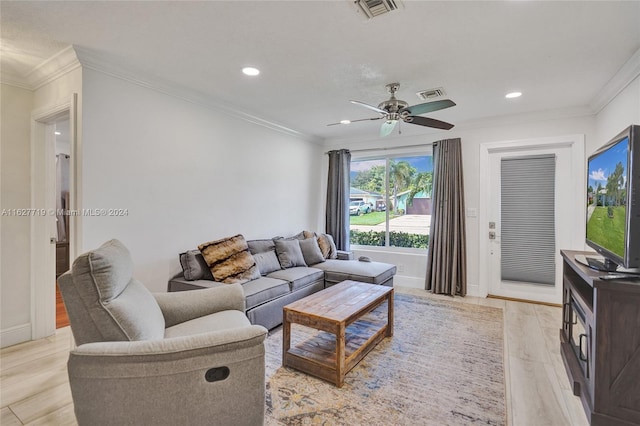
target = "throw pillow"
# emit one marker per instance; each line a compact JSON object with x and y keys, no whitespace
{"x":267,"y":262}
{"x":289,"y":253}
{"x":260,"y":246}
{"x":194,"y":266}
{"x":309,"y":234}
{"x":311,"y":251}
{"x":298,"y":236}
{"x":327,"y":246}
{"x":229,"y":260}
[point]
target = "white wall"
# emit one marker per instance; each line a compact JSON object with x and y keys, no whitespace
{"x":511,"y":128}
{"x":617,"y":115}
{"x":15,"y":193}
{"x":186,"y":174}
{"x":18,"y":105}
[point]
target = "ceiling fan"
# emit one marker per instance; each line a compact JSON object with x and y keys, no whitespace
{"x":394,"y":110}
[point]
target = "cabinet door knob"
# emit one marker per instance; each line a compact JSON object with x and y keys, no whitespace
{"x":586,"y":356}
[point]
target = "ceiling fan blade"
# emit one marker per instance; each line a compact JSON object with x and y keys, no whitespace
{"x":429,"y":107}
{"x":429,"y":122}
{"x":355,"y":121}
{"x":387,"y":127}
{"x":371,"y":107}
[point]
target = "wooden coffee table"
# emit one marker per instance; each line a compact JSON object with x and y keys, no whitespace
{"x":338,"y":310}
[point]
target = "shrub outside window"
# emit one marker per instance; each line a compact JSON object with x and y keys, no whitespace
{"x":390,"y":201}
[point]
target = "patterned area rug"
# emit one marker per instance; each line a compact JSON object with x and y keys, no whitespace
{"x":443,"y":366}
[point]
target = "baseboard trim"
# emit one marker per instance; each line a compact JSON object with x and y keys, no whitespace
{"x":14,"y":335}
{"x":514,"y":299}
{"x":406,"y":281}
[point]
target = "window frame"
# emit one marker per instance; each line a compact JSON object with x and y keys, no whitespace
{"x":388,"y":155}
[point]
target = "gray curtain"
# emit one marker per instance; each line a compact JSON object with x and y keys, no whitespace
{"x":447,"y":259}
{"x":338,"y":184}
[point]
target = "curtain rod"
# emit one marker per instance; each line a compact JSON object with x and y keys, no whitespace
{"x":388,"y":149}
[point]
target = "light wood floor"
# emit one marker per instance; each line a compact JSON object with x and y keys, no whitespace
{"x":34,"y":389}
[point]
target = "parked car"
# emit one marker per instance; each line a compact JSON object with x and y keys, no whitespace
{"x":359,"y":208}
{"x":381,"y":207}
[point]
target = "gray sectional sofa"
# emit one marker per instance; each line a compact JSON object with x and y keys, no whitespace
{"x":284,"y":277}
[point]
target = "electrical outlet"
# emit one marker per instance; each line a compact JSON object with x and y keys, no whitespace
{"x":400,"y":268}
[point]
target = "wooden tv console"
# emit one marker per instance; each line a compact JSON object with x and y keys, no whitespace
{"x":600,"y":342}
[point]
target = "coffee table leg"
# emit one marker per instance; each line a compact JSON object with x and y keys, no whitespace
{"x":286,"y":338}
{"x":390,"y":315}
{"x":340,"y":361}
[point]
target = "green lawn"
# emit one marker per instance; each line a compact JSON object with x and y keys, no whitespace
{"x":373,"y":218}
{"x":608,"y":232}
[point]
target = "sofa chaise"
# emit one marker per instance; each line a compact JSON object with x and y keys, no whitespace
{"x":288,"y":269}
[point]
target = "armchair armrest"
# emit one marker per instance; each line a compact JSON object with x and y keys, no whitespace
{"x":183,"y":306}
{"x":171,"y":349}
{"x":345,"y":255}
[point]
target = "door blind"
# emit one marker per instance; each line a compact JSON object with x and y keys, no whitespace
{"x":528,"y":219}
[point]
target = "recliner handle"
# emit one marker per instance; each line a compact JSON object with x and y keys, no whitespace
{"x":216,"y":374}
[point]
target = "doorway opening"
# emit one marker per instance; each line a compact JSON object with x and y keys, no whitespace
{"x":45,"y":122}
{"x":62,"y":193}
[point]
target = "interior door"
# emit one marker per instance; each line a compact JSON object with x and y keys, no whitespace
{"x":516,"y":276}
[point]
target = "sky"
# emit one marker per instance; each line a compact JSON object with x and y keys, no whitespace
{"x":422,"y":164}
{"x":601,"y":166}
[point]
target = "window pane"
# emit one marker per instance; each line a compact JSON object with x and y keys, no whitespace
{"x":410,"y":187}
{"x":403,"y":205}
{"x":367,"y":203}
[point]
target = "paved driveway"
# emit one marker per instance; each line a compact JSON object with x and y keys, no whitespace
{"x":409,"y":223}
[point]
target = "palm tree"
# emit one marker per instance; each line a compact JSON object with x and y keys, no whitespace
{"x":423,"y":182}
{"x":400,"y":175}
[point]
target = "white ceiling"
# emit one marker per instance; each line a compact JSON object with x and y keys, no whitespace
{"x":317,"y":55}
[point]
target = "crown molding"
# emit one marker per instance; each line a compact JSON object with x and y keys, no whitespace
{"x":625,"y":75}
{"x":48,"y":70}
{"x":59,"y":64}
{"x":486,"y":122}
{"x":15,"y":81}
{"x":96,"y":62}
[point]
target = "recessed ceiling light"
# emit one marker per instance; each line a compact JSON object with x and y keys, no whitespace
{"x":251,"y":71}
{"x":513,"y":95}
{"x":345,"y":121}
{"x":58,"y":133}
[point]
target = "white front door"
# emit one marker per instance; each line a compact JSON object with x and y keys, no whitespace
{"x":569,"y":212}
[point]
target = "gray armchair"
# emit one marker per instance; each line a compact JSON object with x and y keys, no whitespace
{"x":187,"y":358}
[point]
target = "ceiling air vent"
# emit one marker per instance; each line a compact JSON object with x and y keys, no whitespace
{"x":373,"y":8}
{"x":426,"y":95}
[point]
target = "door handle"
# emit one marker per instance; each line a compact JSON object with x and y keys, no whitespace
{"x":586,"y":356}
{"x":53,"y":240}
{"x":565,"y":313}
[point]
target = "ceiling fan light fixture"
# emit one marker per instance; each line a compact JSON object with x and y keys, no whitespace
{"x":513,"y":95}
{"x":250,"y":71}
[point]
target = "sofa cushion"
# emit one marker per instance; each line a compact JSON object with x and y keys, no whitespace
{"x":194,"y":267}
{"x":229,"y":260}
{"x":298,"y":277}
{"x":368,"y":272}
{"x":263,"y":289}
{"x":289,"y":253}
{"x":327,"y":246}
{"x":267,"y":262}
{"x":311,"y":251}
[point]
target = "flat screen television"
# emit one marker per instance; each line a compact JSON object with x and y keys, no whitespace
{"x":613,"y":202}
